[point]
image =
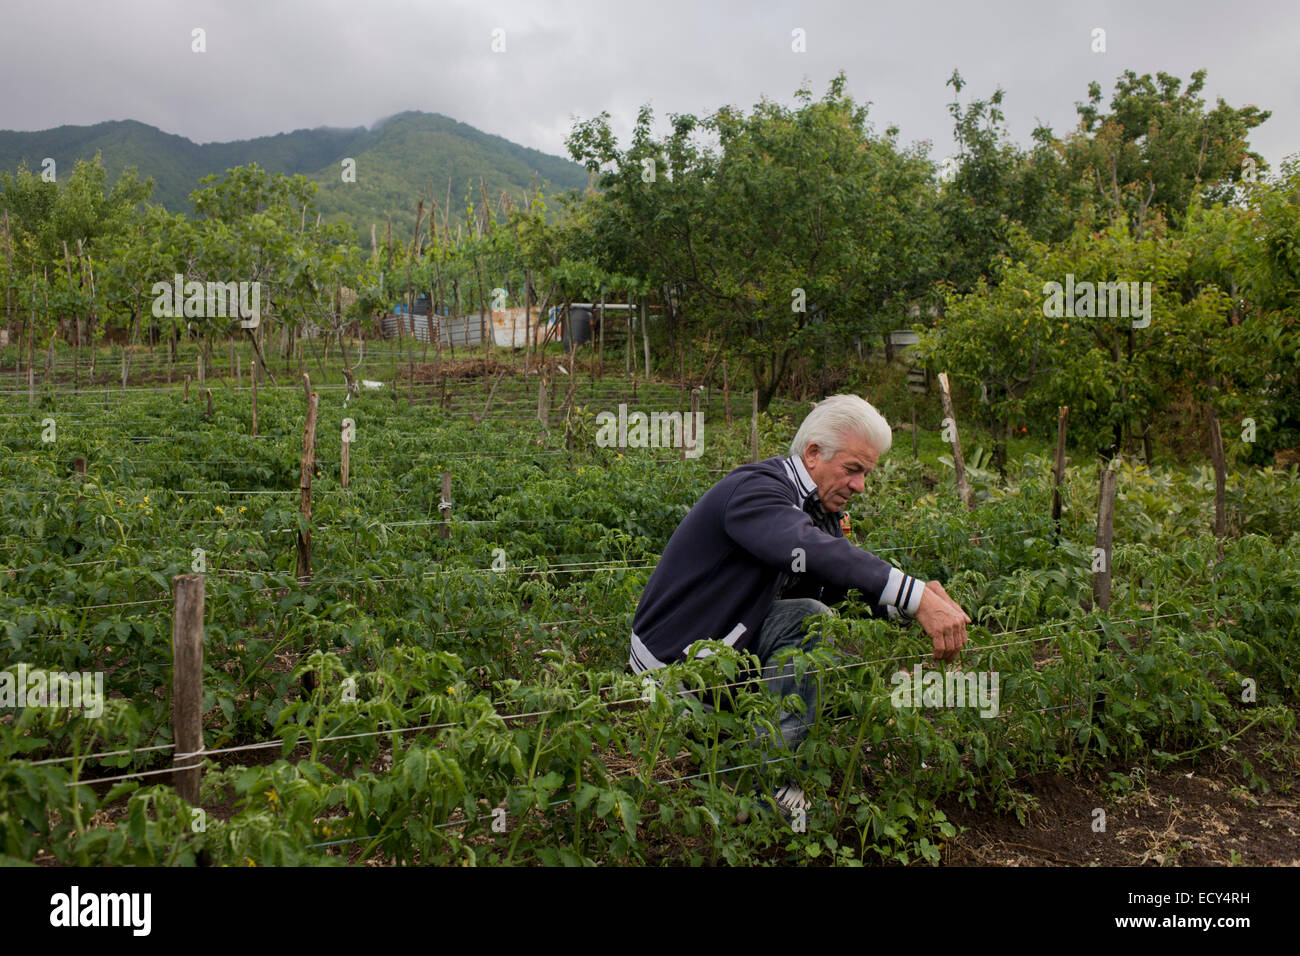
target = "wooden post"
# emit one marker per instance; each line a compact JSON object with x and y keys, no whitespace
{"x":239,"y":373}
{"x":124,"y":367}
{"x":645,"y":336}
{"x":304,"y":482}
{"x":1058,"y":466}
{"x":232,"y":356}
{"x":543,"y":400}
{"x":1220,"y":478}
{"x":306,"y":386}
{"x":252,"y":382}
{"x":345,"y":457}
{"x":689,"y":428}
{"x":1105,"y":534}
{"x":202,"y":376}
{"x":187,"y":387}
{"x":444,"y":506}
{"x":187,"y":685}
{"x":726,"y":394}
{"x":209,"y":392}
{"x":753,"y":430}
{"x":950,"y":421}
{"x":915,"y":447}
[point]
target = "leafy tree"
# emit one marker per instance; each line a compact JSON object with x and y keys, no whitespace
{"x":1158,"y":151}
{"x":789,"y":237}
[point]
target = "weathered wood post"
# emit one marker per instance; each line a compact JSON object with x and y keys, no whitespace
{"x":915,"y":446}
{"x":187,"y":388}
{"x":690,"y":433}
{"x":1220,"y":478}
{"x":1101,"y":555}
{"x":753,"y":430}
{"x":304,"y":483}
{"x":543,"y":400}
{"x":444,"y":506}
{"x":345,"y":456}
{"x":209,"y":394}
{"x":726,"y":393}
{"x":1058,"y":466}
{"x":187,"y":685}
{"x":950,"y":422}
{"x":252,"y":382}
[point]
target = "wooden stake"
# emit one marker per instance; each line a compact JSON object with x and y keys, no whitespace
{"x":688,"y":428}
{"x":444,"y":506}
{"x":304,"y":482}
{"x":726,"y":395}
{"x":239,"y":373}
{"x":1220,"y":478}
{"x":543,"y":401}
{"x":645,"y":337}
{"x":1105,"y":533}
{"x":915,"y":452}
{"x":187,"y":387}
{"x":124,"y":367}
{"x":209,"y":392}
{"x":1058,"y":466}
{"x":753,"y":430}
{"x":187,"y":685}
{"x":252,"y":382}
{"x":950,"y":419}
{"x":345,"y":457}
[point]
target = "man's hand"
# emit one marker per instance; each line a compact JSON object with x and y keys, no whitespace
{"x":943,"y":619}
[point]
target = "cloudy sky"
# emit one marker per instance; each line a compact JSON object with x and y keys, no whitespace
{"x":276,"y":65}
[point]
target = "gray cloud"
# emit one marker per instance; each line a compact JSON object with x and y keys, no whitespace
{"x":280,"y":65}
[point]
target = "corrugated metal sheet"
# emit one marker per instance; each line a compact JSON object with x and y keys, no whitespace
{"x":508,"y":328}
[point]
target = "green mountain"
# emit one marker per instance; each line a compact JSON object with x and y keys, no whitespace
{"x":399,"y":160}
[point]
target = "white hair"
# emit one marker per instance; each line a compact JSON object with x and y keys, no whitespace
{"x":840,"y":415}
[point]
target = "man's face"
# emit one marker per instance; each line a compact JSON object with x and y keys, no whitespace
{"x":844,"y":475}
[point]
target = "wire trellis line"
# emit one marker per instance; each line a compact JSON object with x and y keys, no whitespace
{"x":683,"y":692}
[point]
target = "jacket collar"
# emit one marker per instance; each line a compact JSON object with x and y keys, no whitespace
{"x":800,"y":480}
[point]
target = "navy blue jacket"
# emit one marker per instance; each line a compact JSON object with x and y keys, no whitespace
{"x":758,"y":534}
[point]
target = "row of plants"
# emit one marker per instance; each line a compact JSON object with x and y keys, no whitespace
{"x":477,"y":681}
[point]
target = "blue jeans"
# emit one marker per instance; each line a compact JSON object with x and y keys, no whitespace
{"x":784,"y":627}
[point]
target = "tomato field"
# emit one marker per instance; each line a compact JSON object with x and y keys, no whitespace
{"x":421,"y":699}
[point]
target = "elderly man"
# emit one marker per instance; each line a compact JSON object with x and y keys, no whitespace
{"x":764,"y":549}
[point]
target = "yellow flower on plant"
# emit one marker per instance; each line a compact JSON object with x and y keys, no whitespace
{"x":146,"y":499}
{"x":242,"y":509}
{"x":220,"y":510}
